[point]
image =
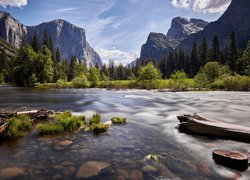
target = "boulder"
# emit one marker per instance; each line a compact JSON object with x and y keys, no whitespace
{"x":91,"y":169}
{"x":62,"y":145}
{"x":12,"y":172}
{"x":232,"y":159}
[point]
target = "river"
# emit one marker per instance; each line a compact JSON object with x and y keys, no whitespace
{"x":151,"y":129}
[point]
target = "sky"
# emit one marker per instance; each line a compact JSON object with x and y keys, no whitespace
{"x":116,"y":29}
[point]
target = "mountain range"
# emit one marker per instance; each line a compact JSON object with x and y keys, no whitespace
{"x":70,"y":39}
{"x":158,"y":45}
{"x":184,"y":33}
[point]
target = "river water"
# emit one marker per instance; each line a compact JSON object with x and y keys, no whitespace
{"x":151,"y":129}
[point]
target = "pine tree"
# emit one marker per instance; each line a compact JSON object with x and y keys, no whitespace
{"x":203,"y":52}
{"x":45,"y":38}
{"x":194,"y":60}
{"x":233,"y":52}
{"x":35,"y":42}
{"x":215,"y":51}
{"x":58,"y":55}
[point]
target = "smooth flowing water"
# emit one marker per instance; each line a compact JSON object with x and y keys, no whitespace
{"x":151,"y":129}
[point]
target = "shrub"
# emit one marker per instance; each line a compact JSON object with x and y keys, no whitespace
{"x":50,"y":128}
{"x":1,"y":78}
{"x":237,"y":83}
{"x":118,"y":120}
{"x":17,"y":125}
{"x":80,"y":81}
{"x":178,"y":81}
{"x":149,"y":72}
{"x":95,"y":119}
{"x":99,"y":128}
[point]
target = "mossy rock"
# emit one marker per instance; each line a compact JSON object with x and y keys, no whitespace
{"x":118,"y":120}
{"x":99,"y":128}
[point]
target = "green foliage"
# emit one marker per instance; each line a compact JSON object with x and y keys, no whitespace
{"x":1,"y":78}
{"x":94,"y":76}
{"x":17,"y":125}
{"x":118,"y":120}
{"x":149,"y":72}
{"x":95,"y":119}
{"x":44,"y":65}
{"x":210,"y":73}
{"x":50,"y":128}
{"x":178,"y":81}
{"x":99,"y":128}
{"x":25,"y":66}
{"x":243,"y":63}
{"x":237,"y":83}
{"x":70,"y":122}
{"x":80,"y":81}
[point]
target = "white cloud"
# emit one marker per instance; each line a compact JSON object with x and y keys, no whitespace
{"x":205,"y":6}
{"x":117,"y":55}
{"x":65,"y":10}
{"x":13,"y":3}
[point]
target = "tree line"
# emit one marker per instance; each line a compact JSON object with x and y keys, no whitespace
{"x":42,"y":63}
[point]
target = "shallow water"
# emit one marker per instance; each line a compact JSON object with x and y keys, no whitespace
{"x":151,"y":129}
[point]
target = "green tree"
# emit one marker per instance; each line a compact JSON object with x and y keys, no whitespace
{"x":194,"y":60}
{"x":94,"y":75}
{"x":233,"y":53}
{"x":210,"y":72}
{"x":178,"y":80}
{"x":203,"y":52}
{"x":25,"y":66}
{"x":44,"y":66}
{"x":149,"y":72}
{"x":215,"y":52}
{"x":243,"y":63}
{"x":35,"y":42}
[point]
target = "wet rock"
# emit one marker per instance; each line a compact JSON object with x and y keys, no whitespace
{"x":12,"y":172}
{"x":232,"y":159}
{"x":57,"y":177}
{"x":67,"y":163}
{"x":122,"y":173}
{"x":69,"y":170}
{"x":58,"y":167}
{"x":136,"y":174}
{"x":62,"y":145}
{"x":75,"y":146}
{"x":91,"y":168}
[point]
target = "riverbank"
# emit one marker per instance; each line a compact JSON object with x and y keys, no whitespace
{"x":162,"y":85}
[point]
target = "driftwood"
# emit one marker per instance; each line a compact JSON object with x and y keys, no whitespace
{"x":232,"y":159}
{"x":35,"y":115}
{"x":195,"y":124}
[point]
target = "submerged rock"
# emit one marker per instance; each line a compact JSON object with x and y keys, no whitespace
{"x":12,"y":172}
{"x":232,"y":159}
{"x":91,"y":168}
{"x":62,"y":145}
{"x":136,"y":174}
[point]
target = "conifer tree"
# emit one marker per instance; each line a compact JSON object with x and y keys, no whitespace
{"x":233,"y":52}
{"x":35,"y":42}
{"x":215,"y":51}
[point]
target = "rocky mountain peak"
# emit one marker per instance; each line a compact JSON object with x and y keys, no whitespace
{"x":181,"y":28}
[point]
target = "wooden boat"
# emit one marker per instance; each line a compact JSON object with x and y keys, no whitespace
{"x":195,"y":124}
{"x":231,"y":159}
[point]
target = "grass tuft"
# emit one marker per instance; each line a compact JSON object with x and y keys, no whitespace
{"x":118,"y":120}
{"x":99,"y":128}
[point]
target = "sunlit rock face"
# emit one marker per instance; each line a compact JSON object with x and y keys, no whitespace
{"x":70,"y":39}
{"x":236,"y":18}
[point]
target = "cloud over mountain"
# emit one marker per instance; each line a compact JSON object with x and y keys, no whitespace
{"x":13,"y":3}
{"x":205,"y":6}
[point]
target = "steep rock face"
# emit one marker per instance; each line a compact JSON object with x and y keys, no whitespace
{"x":236,"y":18}
{"x":157,"y":46}
{"x":181,"y":28}
{"x":70,"y":39}
{"x":11,"y":30}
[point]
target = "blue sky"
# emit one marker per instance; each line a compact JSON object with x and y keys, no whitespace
{"x":116,"y":29}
